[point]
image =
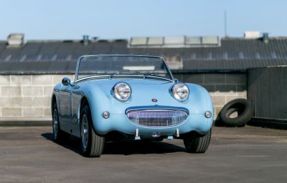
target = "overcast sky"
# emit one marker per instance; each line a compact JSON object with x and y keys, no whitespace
{"x":70,"y":19}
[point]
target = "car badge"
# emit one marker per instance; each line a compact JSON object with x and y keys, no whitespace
{"x":154,"y":100}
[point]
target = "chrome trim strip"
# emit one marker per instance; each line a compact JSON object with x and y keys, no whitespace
{"x":157,"y":107}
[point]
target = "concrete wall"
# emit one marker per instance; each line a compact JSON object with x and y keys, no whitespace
{"x":267,"y":91}
{"x":223,"y":87}
{"x":28,"y":97}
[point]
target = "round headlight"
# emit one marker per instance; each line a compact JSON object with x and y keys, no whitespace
{"x":180,"y":92}
{"x":122,"y":91}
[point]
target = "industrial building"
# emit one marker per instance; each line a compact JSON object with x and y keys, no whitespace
{"x":30,"y":68}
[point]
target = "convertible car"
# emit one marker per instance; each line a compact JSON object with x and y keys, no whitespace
{"x":132,"y":97}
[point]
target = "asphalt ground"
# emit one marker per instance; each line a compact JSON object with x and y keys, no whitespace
{"x":249,"y":154}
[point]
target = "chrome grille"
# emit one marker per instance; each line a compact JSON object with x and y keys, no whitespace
{"x":157,"y":118}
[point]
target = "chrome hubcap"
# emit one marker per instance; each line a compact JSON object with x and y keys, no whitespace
{"x":55,"y":124}
{"x":85,"y":132}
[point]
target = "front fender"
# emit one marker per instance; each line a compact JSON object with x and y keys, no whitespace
{"x":200,"y":99}
{"x":99,"y":101}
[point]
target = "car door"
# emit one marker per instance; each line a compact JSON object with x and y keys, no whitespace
{"x":65,"y":108}
{"x":76,"y":96}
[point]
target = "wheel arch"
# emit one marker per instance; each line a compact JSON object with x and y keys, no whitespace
{"x":53,"y":102}
{"x":84,"y":101}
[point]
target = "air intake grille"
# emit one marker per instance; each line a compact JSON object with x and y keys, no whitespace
{"x":157,"y":118}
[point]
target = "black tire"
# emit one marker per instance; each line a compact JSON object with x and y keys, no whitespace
{"x":93,"y":145}
{"x":57,"y":133}
{"x":195,"y":143}
{"x":243,"y":108}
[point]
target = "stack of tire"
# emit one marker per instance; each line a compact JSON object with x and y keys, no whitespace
{"x":241,"y":107}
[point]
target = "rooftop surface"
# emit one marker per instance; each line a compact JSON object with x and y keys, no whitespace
{"x":231,"y":54}
{"x":249,"y":154}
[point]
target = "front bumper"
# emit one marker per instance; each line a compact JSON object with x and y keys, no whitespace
{"x":120,"y":122}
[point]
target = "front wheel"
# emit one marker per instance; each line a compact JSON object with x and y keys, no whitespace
{"x":195,"y":143}
{"x":92,"y":145}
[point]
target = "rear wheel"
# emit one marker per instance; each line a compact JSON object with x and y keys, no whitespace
{"x":194,"y":143}
{"x":92,"y":144}
{"x":57,"y":132}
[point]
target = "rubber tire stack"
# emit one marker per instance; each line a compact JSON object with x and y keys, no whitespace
{"x":244,"y":110}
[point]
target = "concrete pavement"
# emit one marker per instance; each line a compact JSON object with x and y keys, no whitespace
{"x":250,"y":154}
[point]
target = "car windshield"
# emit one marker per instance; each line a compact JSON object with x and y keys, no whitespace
{"x":122,"y":66}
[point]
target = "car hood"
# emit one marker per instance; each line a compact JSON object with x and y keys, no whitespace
{"x":143,"y":90}
{"x":137,"y":85}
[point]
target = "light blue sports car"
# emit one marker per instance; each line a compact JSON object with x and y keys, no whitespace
{"x":134,"y":97}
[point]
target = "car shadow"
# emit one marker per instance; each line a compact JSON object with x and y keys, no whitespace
{"x":69,"y":142}
{"x":122,"y":147}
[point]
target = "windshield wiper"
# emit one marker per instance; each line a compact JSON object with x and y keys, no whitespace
{"x":112,"y":75}
{"x":92,"y":77}
{"x":151,"y":75}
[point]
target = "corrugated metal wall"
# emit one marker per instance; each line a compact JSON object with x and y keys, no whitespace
{"x":267,"y":89}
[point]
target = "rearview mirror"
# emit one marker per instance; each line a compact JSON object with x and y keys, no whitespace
{"x":66,"y":81}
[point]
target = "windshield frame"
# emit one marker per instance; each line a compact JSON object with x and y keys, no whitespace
{"x":76,"y":78}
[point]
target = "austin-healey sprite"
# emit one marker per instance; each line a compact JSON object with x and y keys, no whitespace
{"x":130,"y":97}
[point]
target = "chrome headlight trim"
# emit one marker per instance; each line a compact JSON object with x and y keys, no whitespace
{"x":122,"y":91}
{"x":180,"y":92}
